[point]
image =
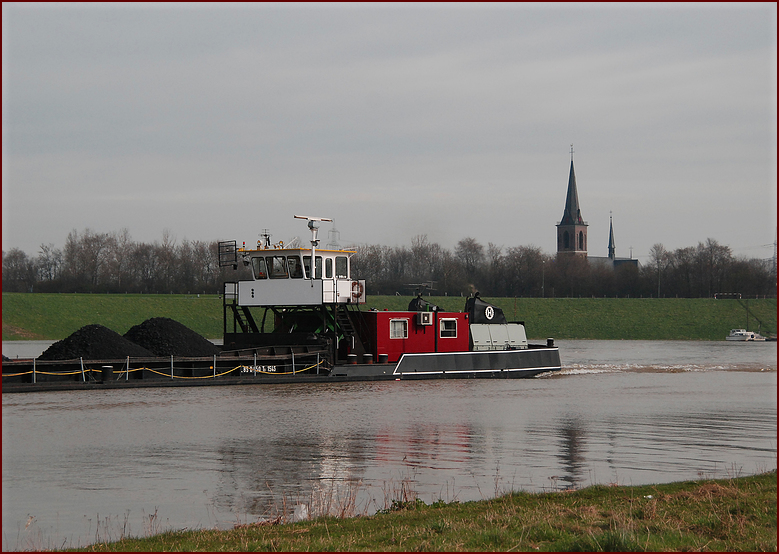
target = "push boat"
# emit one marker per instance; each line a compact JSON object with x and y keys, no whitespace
{"x":744,"y":335}
{"x":320,"y":309}
{"x":298,"y":321}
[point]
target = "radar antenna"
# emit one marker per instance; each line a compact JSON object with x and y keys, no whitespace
{"x":313,"y":224}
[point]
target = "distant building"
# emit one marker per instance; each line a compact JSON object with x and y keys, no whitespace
{"x":612,"y":260}
{"x":572,"y":231}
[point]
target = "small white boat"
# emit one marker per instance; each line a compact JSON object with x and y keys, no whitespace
{"x":744,"y":335}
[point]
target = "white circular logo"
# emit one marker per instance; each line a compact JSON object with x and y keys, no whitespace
{"x":489,"y":312}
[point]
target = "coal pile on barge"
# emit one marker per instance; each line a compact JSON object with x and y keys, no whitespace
{"x":166,"y":337}
{"x":94,"y":342}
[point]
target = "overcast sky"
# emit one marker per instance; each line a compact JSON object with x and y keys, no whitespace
{"x":216,"y":122}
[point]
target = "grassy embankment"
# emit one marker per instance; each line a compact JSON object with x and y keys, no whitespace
{"x":56,"y":316}
{"x":736,"y":514}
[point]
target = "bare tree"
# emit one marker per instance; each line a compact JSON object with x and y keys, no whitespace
{"x":18,"y":271}
{"x":658,"y":257}
{"x":145,"y":267}
{"x":420,"y":263}
{"x":186,"y":268}
{"x":49,"y":263}
{"x":569,"y":275}
{"x":716,"y":260}
{"x":471,"y":256}
{"x":121,"y":248}
{"x":86,"y":257}
{"x":683,"y":261}
{"x":451,"y":277}
{"x":166,"y":260}
{"x":496,"y":274}
{"x":206,"y":262}
{"x":525,"y":270}
{"x":95,"y":249}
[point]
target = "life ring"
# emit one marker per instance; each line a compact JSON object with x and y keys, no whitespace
{"x":357,"y":290}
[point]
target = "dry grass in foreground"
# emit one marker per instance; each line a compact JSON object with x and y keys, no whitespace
{"x":708,"y":515}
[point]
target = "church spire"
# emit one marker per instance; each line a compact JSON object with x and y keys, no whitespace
{"x":612,"y":246}
{"x":572,"y":215}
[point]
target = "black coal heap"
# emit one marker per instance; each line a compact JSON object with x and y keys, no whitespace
{"x":166,"y":337}
{"x":94,"y":342}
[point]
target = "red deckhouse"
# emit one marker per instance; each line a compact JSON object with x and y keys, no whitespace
{"x":398,"y":333}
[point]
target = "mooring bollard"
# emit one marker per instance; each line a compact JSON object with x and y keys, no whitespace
{"x":106,"y":373}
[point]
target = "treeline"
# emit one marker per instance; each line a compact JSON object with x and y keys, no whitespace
{"x":114,"y":263}
{"x":692,"y":272}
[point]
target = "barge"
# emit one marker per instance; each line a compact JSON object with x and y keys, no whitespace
{"x":299,"y":318}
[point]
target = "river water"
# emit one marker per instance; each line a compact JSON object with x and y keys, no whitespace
{"x":82,"y":466}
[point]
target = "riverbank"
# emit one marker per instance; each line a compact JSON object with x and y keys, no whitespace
{"x":56,"y":316}
{"x":736,"y":514}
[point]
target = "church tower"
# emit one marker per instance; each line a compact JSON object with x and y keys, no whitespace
{"x":572,"y":229}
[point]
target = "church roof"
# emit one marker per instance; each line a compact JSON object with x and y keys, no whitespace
{"x":572,"y":214}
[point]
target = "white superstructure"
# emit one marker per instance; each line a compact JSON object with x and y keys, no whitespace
{"x":283,"y":276}
{"x":286,"y":276}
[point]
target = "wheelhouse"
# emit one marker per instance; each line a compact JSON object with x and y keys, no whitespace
{"x":294,"y":264}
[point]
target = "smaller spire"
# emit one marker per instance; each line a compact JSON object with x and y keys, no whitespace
{"x":612,"y":246}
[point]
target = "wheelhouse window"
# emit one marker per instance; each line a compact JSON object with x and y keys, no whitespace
{"x":448,"y":328}
{"x":295,"y":267}
{"x":258,"y":268}
{"x":277,"y":267}
{"x":329,"y":268}
{"x":307,"y":265}
{"x":341,"y":267}
{"x":398,"y":328}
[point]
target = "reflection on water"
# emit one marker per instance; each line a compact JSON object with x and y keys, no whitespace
{"x":214,"y":456}
{"x":571,"y":433}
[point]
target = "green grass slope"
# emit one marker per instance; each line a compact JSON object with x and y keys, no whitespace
{"x":618,"y":318}
{"x":56,"y":316}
